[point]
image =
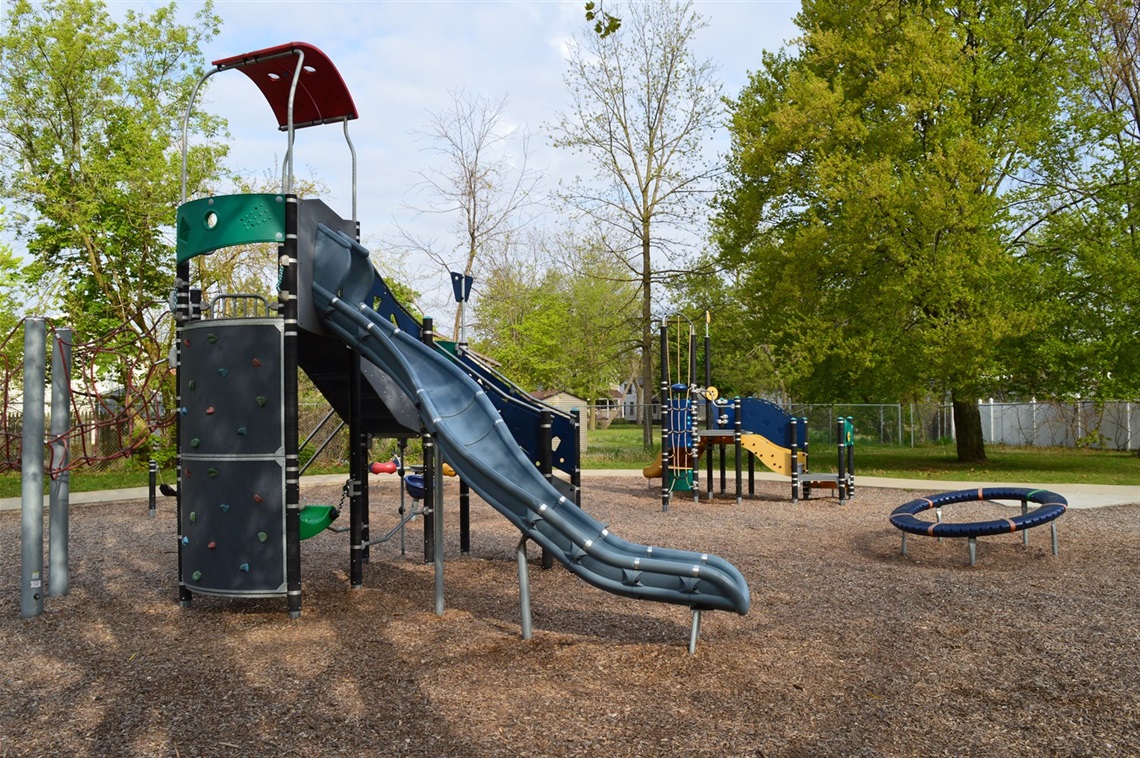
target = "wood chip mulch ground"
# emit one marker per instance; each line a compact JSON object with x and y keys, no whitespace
{"x":851,"y":648}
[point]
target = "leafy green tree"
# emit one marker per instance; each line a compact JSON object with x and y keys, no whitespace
{"x":641,"y":107}
{"x":562,"y":325}
{"x":90,"y":133}
{"x":1086,"y":242}
{"x":878,"y":179}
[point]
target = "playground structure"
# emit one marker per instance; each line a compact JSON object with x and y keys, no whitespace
{"x":752,"y":426}
{"x":1050,"y":507}
{"x":385,"y":374}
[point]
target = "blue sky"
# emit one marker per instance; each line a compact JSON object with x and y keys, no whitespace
{"x":401,"y":59}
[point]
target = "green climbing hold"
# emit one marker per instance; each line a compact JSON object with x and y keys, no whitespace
{"x":212,"y":472}
{"x":192,"y":384}
{"x":262,"y":537}
{"x":195,"y":442}
{"x":212,"y":337}
{"x":193,"y":517}
{"x":197,"y":575}
{"x":223,"y":372}
{"x":241,"y":431}
{"x":261,"y":401}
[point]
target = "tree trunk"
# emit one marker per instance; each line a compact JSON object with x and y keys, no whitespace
{"x":647,"y":335}
{"x":968,"y":431}
{"x":647,"y":383}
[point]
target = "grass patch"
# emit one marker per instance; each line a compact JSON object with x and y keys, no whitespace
{"x":620,"y":447}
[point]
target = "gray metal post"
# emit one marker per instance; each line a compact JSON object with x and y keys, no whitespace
{"x":32,"y":471}
{"x":524,"y":588}
{"x":59,"y":489}
{"x":152,"y":486}
{"x":1053,"y":533}
{"x":1024,"y":532}
{"x":437,"y":539}
{"x":695,"y":632}
{"x":973,"y":547}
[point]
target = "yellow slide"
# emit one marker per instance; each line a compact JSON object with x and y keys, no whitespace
{"x":777,"y":458}
{"x":653,"y":470}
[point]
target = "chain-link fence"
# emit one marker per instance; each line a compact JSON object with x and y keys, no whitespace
{"x":1109,"y":426}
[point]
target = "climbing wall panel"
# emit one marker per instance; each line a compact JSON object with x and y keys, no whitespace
{"x":232,"y":534}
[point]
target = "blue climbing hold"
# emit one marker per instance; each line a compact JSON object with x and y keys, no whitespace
{"x":225,"y":507}
{"x":223,"y":372}
{"x":241,"y":431}
{"x":243,"y":567}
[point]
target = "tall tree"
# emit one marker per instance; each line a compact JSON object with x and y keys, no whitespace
{"x":876,"y":177}
{"x":485,"y":185}
{"x":641,"y":107}
{"x":90,"y":128}
{"x":1085,"y":239}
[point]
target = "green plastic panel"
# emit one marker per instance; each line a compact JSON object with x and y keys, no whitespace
{"x":211,"y":223}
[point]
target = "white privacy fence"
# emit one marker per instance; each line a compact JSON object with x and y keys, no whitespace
{"x":1110,"y":426}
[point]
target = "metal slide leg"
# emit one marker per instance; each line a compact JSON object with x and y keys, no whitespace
{"x":695,"y":632}
{"x":524,"y":588}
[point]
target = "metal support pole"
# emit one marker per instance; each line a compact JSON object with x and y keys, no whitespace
{"x":723,"y":468}
{"x":737,"y":437}
{"x":152,"y":486}
{"x":904,"y":543}
{"x":357,"y":530}
{"x":546,"y":464}
{"x":430,"y":486}
{"x":437,"y":539}
{"x":287,"y":296}
{"x":695,"y":631}
{"x":973,"y":547}
{"x":524,"y":588}
{"x":1053,"y":534}
{"x":427,"y":336}
{"x":710,"y":407}
{"x":841,"y":466}
{"x":402,"y":447}
{"x":464,"y":517}
{"x":59,"y":488}
{"x":32,"y":470}
{"x":1024,"y":532}
{"x":666,"y":418}
{"x":794,"y":438}
{"x":576,"y":474}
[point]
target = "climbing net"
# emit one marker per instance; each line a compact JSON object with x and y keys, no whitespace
{"x":117,"y":398}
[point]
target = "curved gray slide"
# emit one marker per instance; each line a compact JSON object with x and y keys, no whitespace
{"x":477,"y":444}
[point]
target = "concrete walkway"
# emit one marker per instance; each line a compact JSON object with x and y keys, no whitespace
{"x":1078,"y":495}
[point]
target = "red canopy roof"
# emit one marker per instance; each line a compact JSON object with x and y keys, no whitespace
{"x":321,"y":97}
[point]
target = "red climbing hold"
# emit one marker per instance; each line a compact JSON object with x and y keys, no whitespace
{"x":256,"y":363}
{"x":212,"y":545}
{"x":210,"y":411}
{"x":388,"y":467}
{"x":257,"y":499}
